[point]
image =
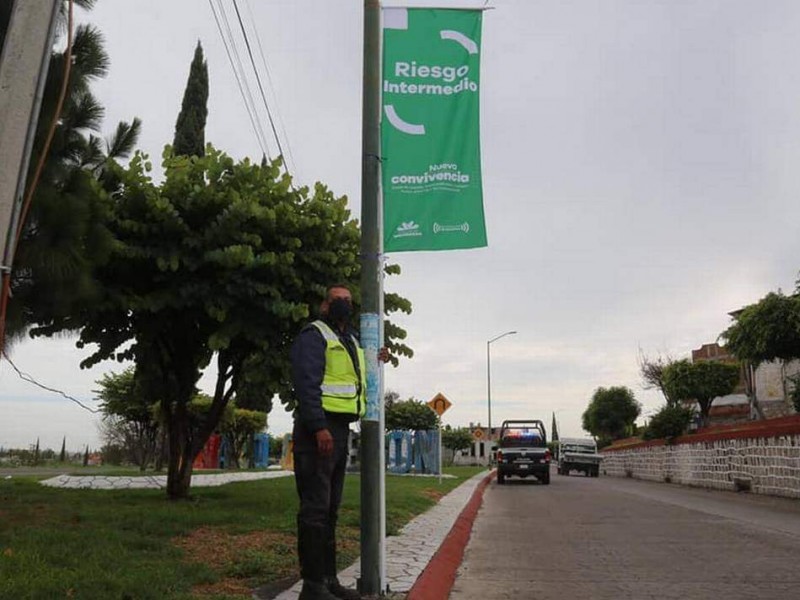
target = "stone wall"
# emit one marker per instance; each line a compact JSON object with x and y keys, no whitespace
{"x":763,"y":460}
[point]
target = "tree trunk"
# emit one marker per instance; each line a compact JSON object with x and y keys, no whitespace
{"x":179,"y":470}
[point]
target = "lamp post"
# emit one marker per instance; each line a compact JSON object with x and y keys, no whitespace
{"x":489,"y":375}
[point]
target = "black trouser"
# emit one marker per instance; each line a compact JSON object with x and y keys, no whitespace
{"x":319,"y":485}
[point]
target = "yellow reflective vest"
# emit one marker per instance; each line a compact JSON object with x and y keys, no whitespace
{"x":343,"y":389}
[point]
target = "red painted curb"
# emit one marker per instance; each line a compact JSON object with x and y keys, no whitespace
{"x":438,"y":578}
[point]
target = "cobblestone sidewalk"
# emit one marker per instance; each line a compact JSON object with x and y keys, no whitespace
{"x":408,"y":553}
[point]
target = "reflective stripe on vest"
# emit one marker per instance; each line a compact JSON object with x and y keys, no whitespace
{"x":340,"y":383}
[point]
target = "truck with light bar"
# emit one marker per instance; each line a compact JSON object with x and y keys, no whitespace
{"x":522,"y":451}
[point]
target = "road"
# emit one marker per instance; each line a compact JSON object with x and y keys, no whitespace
{"x":610,"y":538}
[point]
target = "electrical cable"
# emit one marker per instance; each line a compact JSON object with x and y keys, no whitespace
{"x":260,"y":86}
{"x":271,"y":86}
{"x":30,"y":379}
{"x":254,"y":120}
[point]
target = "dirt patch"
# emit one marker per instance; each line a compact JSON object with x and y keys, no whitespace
{"x":242,"y":561}
{"x":226,"y":587}
{"x":218,"y":548}
{"x":433,"y":494}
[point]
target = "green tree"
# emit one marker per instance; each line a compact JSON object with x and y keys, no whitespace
{"x":65,"y":235}
{"x":129,"y":416}
{"x":410,"y":415}
{"x":275,"y":446}
{"x":767,"y":330}
{"x":670,"y":422}
{"x":190,"y":128}
{"x":36,"y":453}
{"x":226,"y":270}
{"x":240,"y":428}
{"x":62,"y":457}
{"x":702,"y":381}
{"x":611,"y":414}
{"x":456,"y":439}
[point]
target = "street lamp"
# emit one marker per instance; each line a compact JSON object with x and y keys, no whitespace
{"x":489,"y":375}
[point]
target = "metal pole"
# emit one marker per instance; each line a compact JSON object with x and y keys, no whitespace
{"x":440,"y":451}
{"x":372,"y":446}
{"x":489,"y":376}
{"x":23,"y":69}
{"x":489,"y":386}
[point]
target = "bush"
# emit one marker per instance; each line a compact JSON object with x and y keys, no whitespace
{"x":669,"y":422}
{"x":794,"y":395}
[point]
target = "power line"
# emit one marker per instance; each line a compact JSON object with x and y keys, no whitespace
{"x":30,"y":379}
{"x":271,"y":85}
{"x":242,"y":85}
{"x":260,"y":86}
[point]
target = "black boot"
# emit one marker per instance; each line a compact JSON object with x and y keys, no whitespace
{"x":311,"y":551}
{"x":315,"y":590}
{"x":341,"y":592}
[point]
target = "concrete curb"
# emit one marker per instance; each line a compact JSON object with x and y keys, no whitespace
{"x":438,"y":578}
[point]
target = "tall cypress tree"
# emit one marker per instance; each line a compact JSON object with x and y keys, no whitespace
{"x":190,"y":128}
{"x":63,"y":456}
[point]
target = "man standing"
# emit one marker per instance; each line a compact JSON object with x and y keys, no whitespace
{"x":329,"y":376}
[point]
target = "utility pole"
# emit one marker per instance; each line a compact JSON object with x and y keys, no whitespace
{"x":372,"y":452}
{"x":24,"y":61}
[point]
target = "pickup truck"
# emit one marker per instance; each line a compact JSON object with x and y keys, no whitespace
{"x":522,"y":451}
{"x":576,"y":454}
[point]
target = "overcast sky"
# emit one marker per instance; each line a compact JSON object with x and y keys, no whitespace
{"x":640,"y":182}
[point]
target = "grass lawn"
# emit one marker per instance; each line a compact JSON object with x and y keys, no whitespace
{"x":135,"y":544}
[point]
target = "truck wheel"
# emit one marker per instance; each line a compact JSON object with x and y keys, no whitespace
{"x":546,"y":479}
{"x":501,"y":478}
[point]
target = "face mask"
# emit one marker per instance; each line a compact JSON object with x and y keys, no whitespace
{"x":340,"y":310}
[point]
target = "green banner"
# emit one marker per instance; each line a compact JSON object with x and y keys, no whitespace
{"x":430,"y":142}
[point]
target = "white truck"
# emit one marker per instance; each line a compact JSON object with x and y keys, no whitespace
{"x":578,"y":454}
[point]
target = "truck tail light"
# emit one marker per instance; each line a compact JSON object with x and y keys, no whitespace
{"x":547,"y":456}
{"x":499,"y":456}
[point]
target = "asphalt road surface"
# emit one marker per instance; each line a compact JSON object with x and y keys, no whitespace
{"x":611,"y":538}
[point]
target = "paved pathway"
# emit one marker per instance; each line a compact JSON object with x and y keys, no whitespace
{"x":100,"y":482}
{"x":408,"y":553}
{"x":620,"y":539}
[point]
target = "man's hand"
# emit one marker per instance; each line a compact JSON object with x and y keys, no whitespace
{"x":324,"y":442}
{"x":383,"y":355}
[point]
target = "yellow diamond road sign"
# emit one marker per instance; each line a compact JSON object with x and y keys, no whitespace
{"x":439,"y":404}
{"x":477,"y":434}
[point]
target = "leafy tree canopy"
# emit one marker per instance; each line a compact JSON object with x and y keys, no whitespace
{"x":410,"y":415}
{"x":611,"y":414}
{"x":767,"y":330}
{"x":701,"y":381}
{"x":456,"y":439}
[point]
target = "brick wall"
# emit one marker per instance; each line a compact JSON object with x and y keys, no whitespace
{"x":762,"y":458}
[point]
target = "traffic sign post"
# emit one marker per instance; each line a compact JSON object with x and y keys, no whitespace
{"x":439,"y":404}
